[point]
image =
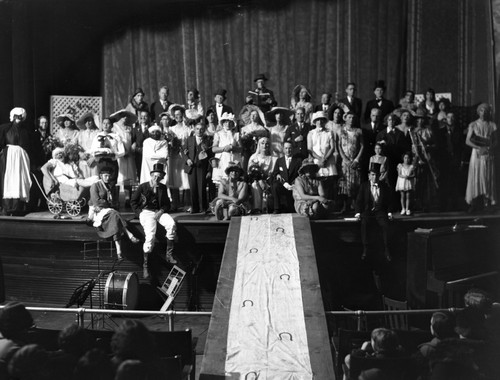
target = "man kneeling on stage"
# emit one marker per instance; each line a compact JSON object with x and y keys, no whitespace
{"x":150,"y":202}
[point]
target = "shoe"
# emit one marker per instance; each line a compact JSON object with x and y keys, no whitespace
{"x":364,"y":255}
{"x":170,"y":259}
{"x":134,"y":240}
{"x":119,"y":258}
{"x":403,"y":212}
{"x":408,"y":212}
{"x":388,"y":256}
{"x":219,"y":213}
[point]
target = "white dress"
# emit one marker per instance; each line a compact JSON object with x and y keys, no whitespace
{"x":405,"y":184}
{"x":126,"y":163}
{"x":153,"y":151}
{"x":322,"y":141}
{"x":84,"y":138}
{"x":223,"y":138}
{"x":277,"y":139}
{"x":177,"y":178}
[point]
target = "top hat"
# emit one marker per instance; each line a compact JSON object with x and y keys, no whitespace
{"x":158,"y":168}
{"x":379,"y":84}
{"x":222,"y":92}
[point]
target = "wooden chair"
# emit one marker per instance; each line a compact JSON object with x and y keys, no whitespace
{"x":348,"y":340}
{"x":395,"y":321}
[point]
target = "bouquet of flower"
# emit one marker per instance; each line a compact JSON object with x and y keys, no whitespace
{"x":249,"y":142}
{"x":49,"y":144}
{"x":174,"y":145}
{"x":255,"y":173}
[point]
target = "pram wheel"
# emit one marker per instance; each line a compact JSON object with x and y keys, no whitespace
{"x":55,"y":205}
{"x":73,"y":208}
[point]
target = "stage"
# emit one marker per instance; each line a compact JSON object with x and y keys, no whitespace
{"x":43,"y":259}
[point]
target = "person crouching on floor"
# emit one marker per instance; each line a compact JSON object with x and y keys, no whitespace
{"x":151,"y":203}
{"x":233,"y":194}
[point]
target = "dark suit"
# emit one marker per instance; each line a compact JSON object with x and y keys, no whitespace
{"x":329,"y":111}
{"x":144,"y":198}
{"x":356,"y":107}
{"x":385,"y":108}
{"x":300,"y":147}
{"x":280,"y":194}
{"x":197,"y":174}
{"x":374,"y":211}
{"x":394,"y":147}
{"x":156,"y":109}
{"x":213,"y":108}
{"x":138,"y":138}
{"x":260,"y":99}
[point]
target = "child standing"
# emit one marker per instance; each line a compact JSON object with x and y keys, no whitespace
{"x":406,"y":182}
{"x":379,"y":158}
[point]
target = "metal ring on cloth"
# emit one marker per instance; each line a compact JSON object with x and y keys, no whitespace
{"x":286,"y":333}
{"x":280,"y":228}
{"x":253,"y":250}
{"x":254,"y":218}
{"x":256,"y":375}
{"x":244,"y":302}
{"x":285,"y":274}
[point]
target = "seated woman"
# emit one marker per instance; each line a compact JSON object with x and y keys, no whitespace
{"x":62,"y":170}
{"x":233,"y":194}
{"x":308,"y":192}
{"x":109,"y":224}
{"x":260,"y":168}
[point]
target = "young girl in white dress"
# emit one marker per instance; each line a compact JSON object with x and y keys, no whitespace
{"x":406,"y":182}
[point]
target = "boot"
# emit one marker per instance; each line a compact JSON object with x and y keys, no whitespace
{"x":169,"y":254}
{"x":145,"y":271}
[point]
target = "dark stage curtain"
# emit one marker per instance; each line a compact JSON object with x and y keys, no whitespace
{"x":321,"y":44}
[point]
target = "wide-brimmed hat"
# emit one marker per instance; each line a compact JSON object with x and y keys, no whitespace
{"x":226,"y":116}
{"x":154,"y":127}
{"x":158,"y":168}
{"x":14,"y":318}
{"x":271,"y":115}
{"x":222,"y":92}
{"x":56,"y":151}
{"x":308,"y":164}
{"x":245,"y":112}
{"x":193,"y":114}
{"x":17,"y":111}
{"x":80,"y":123}
{"x":174,"y":107}
{"x":64,"y":116}
{"x":420,"y":114}
{"x":318,"y":115}
{"x":106,"y":170}
{"x":138,"y":90}
{"x":260,"y":77}
{"x":234,"y":166}
{"x":131,"y":117}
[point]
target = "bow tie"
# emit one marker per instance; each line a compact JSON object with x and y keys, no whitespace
{"x":375,"y":185}
{"x":379,"y":99}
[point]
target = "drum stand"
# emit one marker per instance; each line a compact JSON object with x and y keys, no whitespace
{"x":94,"y":251}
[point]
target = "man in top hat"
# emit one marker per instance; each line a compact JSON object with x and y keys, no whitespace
{"x":385,"y":106}
{"x":285,"y":171}
{"x":354,"y":104}
{"x":161,"y":105}
{"x":219,"y":108}
{"x":151,"y":203}
{"x":373,"y":204}
{"x":262,"y":97}
{"x":196,"y":155}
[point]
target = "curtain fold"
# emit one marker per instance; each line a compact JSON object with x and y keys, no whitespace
{"x":321,"y":44}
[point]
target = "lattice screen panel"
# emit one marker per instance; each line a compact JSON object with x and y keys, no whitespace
{"x":73,"y":105}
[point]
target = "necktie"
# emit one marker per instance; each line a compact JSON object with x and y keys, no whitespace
{"x":375,"y":191}
{"x":288,"y":162}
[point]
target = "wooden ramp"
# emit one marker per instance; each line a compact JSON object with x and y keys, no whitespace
{"x":268,"y":318}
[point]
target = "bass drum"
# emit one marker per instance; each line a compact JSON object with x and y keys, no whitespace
{"x":121,"y":291}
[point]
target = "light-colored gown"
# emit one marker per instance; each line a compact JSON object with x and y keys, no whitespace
{"x":350,"y":143}
{"x":177,"y":178}
{"x":84,"y":138}
{"x":481,"y":179}
{"x":223,"y":138}
{"x":322,"y":141}
{"x":126,"y":163}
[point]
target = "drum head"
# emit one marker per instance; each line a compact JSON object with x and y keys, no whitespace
{"x":121,"y":291}
{"x":131,"y":291}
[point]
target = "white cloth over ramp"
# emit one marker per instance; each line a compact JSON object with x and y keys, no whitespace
{"x":267,"y":336}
